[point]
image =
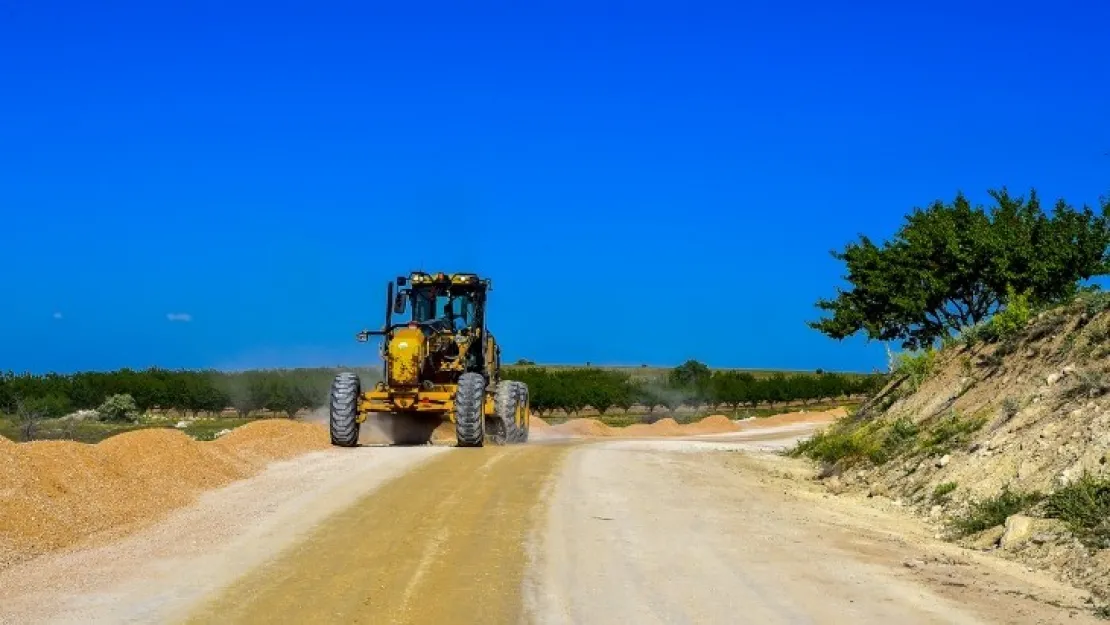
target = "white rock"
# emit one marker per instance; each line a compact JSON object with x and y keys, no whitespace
{"x":943,"y":462}
{"x":181,"y":425}
{"x":1052,"y":378}
{"x":222,"y":432}
{"x":1068,"y":370}
{"x":1068,"y":475}
{"x":1019,"y":528}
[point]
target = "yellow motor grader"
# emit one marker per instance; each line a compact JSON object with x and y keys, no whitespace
{"x":441,"y":364}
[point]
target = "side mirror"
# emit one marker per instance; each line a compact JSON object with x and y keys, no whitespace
{"x":399,"y":303}
{"x":362,"y":337}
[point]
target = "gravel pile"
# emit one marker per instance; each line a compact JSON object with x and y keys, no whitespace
{"x":56,"y":493}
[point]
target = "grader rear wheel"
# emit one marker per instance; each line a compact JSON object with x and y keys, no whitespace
{"x":524,"y":407}
{"x":509,"y":426}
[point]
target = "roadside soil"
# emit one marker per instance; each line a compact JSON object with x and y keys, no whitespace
{"x":668,"y":532}
{"x":56,"y":494}
{"x":158,"y":573}
{"x":706,"y":529}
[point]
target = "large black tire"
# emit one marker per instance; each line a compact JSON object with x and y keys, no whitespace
{"x":511,"y":396}
{"x":343,"y":421}
{"x":503,"y":425}
{"x":470,"y":423}
{"x":524,"y":400}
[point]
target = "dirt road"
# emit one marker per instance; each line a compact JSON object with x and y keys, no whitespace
{"x":642,"y":531}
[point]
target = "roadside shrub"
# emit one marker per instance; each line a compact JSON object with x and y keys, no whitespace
{"x":830,"y":446}
{"x":848,"y":445}
{"x":1099,"y":333}
{"x":1011,"y":319}
{"x":1090,"y":383}
{"x":1005,"y":324}
{"x":119,"y":408}
{"x":1052,"y":322}
{"x":916,"y":366}
{"x":1010,"y":407}
{"x":950,"y":431}
{"x":1094,"y":302}
{"x":942,"y":491}
{"x":974,"y":334}
{"x":988,"y":513}
{"x":1085,"y":506}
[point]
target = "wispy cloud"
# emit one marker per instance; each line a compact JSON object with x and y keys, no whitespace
{"x":57,"y":315}
{"x":183,"y":317}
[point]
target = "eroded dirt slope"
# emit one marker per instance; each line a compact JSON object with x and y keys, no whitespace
{"x":1027,"y":415}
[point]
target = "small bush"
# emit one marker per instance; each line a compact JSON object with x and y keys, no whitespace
{"x":1010,"y":407}
{"x":844,"y":445}
{"x":1099,"y":333}
{"x":966,"y":366}
{"x":847,"y":445}
{"x":1090,"y":383}
{"x":942,"y":491}
{"x":916,"y":366}
{"x":1014,"y":317}
{"x":1052,"y":323}
{"x":119,"y":408}
{"x":950,"y":431}
{"x":1085,"y":506}
{"x":975,"y":334}
{"x":1067,"y":344}
{"x":991,"y":512}
{"x":1094,"y":302}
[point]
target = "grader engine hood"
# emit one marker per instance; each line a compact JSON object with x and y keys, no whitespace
{"x":407,"y":350}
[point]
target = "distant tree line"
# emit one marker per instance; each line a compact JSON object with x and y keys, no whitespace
{"x":690,"y":384}
{"x":292,"y":390}
{"x":188,"y":392}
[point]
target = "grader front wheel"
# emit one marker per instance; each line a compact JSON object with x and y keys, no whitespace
{"x":343,"y":409}
{"x":470,"y":422}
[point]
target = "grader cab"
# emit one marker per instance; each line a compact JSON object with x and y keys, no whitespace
{"x":441,"y":363}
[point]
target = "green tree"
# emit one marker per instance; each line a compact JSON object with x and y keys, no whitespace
{"x":49,"y":406}
{"x":118,"y":408}
{"x":951,"y":265}
{"x":645,"y":394}
{"x":690,"y":375}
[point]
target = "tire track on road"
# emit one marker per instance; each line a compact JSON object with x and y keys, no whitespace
{"x":444,"y":543}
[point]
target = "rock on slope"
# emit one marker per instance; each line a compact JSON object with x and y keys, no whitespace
{"x":984,"y":431}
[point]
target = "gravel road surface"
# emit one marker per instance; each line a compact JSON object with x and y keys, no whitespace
{"x":713,"y":530}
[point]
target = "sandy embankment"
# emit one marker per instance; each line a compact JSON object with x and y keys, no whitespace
{"x":54,"y":494}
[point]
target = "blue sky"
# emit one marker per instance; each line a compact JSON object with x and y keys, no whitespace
{"x":644,"y":182}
